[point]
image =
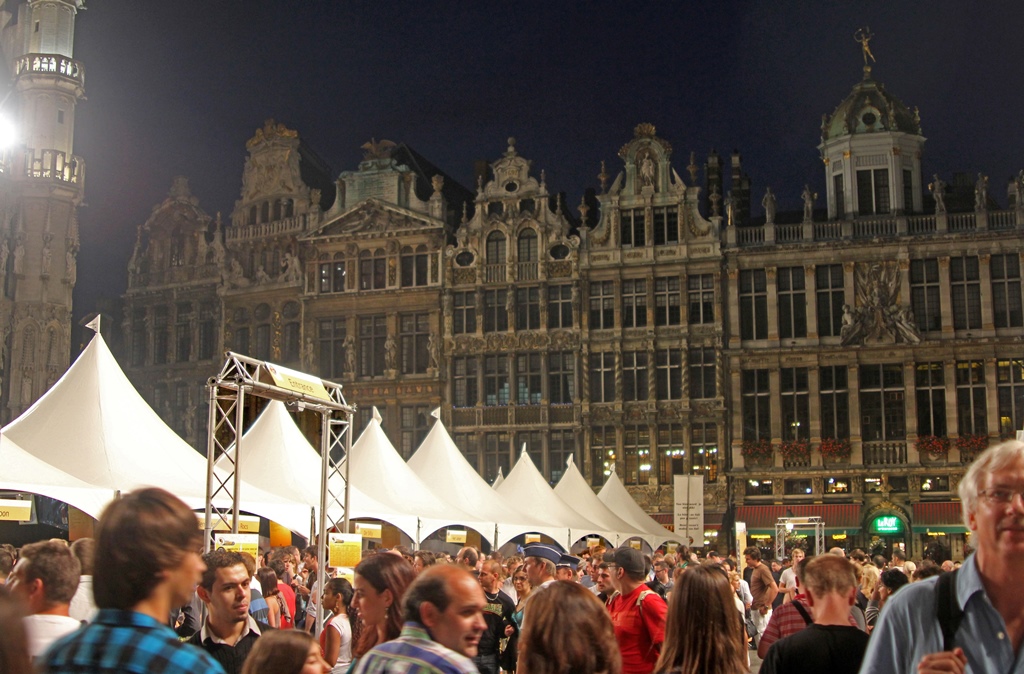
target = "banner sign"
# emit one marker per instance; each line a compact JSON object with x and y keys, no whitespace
{"x":532,"y":538}
{"x":238,"y":543}
{"x":297,"y":382}
{"x":15,"y":510}
{"x":367,"y":530}
{"x":455,"y":536}
{"x":346,"y":550}
{"x":247,"y":524}
{"x":689,"y":508}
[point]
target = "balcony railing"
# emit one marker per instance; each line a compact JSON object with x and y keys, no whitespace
{"x":494,"y":273}
{"x":50,"y":64}
{"x":526,"y":271}
{"x":290,"y":225}
{"x":878,"y":227}
{"x":885,"y":453}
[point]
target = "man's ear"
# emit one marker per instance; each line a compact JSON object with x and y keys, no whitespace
{"x":203,"y":593}
{"x":851,"y":596}
{"x":429,"y":615}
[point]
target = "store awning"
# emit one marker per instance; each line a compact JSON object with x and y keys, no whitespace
{"x":938,"y":517}
{"x":838,"y":517}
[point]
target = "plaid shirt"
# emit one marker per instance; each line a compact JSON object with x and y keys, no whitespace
{"x":414,"y":652}
{"x":786,"y":620}
{"x":125,"y":641}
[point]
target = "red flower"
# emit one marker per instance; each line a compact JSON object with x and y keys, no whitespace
{"x":757,"y":449}
{"x":934,"y":445}
{"x":833,"y":448}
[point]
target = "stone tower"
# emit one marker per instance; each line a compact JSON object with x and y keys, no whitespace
{"x":41,"y":183}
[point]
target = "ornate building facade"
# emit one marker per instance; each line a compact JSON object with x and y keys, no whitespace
{"x":41,"y":188}
{"x":845,"y":366}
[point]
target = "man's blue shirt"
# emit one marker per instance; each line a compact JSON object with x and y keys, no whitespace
{"x":908,"y":629}
{"x":126,"y":641}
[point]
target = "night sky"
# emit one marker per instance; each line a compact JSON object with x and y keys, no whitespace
{"x":176,"y":88}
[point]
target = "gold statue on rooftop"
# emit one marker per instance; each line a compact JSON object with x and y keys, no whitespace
{"x":864,"y":36}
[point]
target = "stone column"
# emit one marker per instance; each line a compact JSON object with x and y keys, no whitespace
{"x":811,"y":293}
{"x":910,"y":410}
{"x":849,"y":292}
{"x":814,"y":410}
{"x":949,"y":377}
{"x":733,"y":276}
{"x":773,"y":304}
{"x":737,"y":414}
{"x":992,"y":397}
{"x":853,"y":387}
{"x":945,"y":298}
{"x":774,"y":386}
{"x":985,"y":279}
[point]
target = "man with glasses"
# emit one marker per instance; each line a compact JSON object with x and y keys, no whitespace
{"x":975,"y":621}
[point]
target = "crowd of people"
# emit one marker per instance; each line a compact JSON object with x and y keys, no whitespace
{"x":141,"y":598}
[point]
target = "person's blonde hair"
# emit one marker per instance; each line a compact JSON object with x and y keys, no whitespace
{"x":703,"y":629}
{"x":869,"y":579}
{"x":826,"y":574}
{"x":566,"y":628}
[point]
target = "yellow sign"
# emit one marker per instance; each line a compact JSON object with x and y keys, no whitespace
{"x":367,"y":530}
{"x":532,"y":538}
{"x":298,"y":382}
{"x":247,"y":524}
{"x":455,"y":536}
{"x":346,"y":550}
{"x":593,"y":541}
{"x":635,"y":545}
{"x":15,"y":510}
{"x":238,"y":543}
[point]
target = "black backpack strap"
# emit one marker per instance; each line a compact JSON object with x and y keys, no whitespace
{"x":802,"y":611}
{"x":947,"y":608}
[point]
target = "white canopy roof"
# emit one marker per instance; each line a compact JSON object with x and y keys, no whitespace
{"x":498,"y":480}
{"x":614,"y":495}
{"x":378,"y":468}
{"x":574,"y":490}
{"x":529,"y":491}
{"x":444,"y":469}
{"x":93,"y":425}
{"x":24,"y":472}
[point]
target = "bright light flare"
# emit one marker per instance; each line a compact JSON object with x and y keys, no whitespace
{"x":8,"y":133}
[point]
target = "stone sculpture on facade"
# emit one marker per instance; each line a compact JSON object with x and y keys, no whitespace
{"x":770,"y":204}
{"x":647,"y":170}
{"x":292,"y":269}
{"x":19,"y":257}
{"x":350,"y":355}
{"x":71,"y":272}
{"x":47,"y":256}
{"x":878,"y":312}
{"x":730,"y":209}
{"x":390,"y":353}
{"x":981,"y":193}
{"x":938,"y":189}
{"x":808,"y":198}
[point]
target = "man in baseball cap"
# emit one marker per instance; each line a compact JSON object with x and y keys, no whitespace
{"x":637,"y":612}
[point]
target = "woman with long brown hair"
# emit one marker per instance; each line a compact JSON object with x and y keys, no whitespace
{"x":285,"y":652}
{"x":567,"y":629}
{"x":379,"y":584}
{"x":703,"y":629}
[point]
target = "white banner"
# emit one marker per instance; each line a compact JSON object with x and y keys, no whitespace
{"x":689,"y":508}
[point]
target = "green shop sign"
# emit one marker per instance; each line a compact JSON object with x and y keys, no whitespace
{"x":887,"y":524}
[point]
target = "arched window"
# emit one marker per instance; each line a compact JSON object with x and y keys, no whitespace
{"x":277,"y":209}
{"x":372,"y":270}
{"x":265,"y":212}
{"x":252,"y":214}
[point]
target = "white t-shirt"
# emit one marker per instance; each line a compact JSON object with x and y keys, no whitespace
{"x":43,"y":630}
{"x":344,"y":628}
{"x":787,"y":579}
{"x":82,"y":605}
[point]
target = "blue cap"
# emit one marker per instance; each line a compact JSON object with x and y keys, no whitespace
{"x":544,"y":551}
{"x":568,"y":561}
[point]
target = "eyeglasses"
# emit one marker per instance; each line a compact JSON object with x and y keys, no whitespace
{"x":1000,"y":495}
{"x":519,"y":578}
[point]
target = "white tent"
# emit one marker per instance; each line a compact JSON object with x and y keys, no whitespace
{"x":614,"y":495}
{"x":574,"y":490}
{"x":24,"y":472}
{"x":498,"y":480}
{"x":93,"y":425}
{"x":529,"y":491}
{"x":378,"y":468}
{"x":278,"y":458}
{"x":444,"y":469}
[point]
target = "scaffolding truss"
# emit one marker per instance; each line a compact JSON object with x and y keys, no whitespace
{"x":786,"y":525}
{"x":241,"y":377}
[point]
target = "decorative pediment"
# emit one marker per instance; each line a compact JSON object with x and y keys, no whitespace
{"x":512,"y":177}
{"x":272,"y":167}
{"x":375,"y":218}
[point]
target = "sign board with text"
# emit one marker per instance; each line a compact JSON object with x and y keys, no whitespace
{"x":367,"y":530}
{"x":345,"y":550}
{"x":15,"y":510}
{"x":238,"y":543}
{"x":298,"y":382}
{"x":455,"y":536}
{"x":247,"y":524}
{"x":689,"y":508}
